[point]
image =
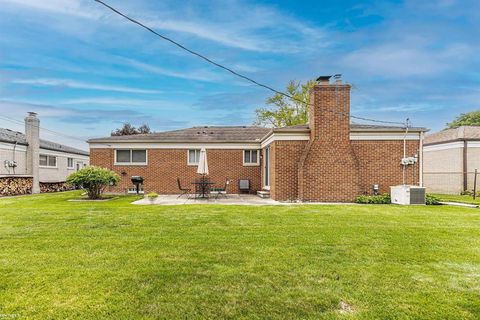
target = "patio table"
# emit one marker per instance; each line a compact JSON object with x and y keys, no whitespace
{"x":202,"y":188}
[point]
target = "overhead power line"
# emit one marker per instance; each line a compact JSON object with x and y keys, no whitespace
{"x":244,"y":77}
{"x":41,"y":128}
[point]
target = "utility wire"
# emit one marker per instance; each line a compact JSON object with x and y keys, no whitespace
{"x":201,"y":56}
{"x":41,"y":128}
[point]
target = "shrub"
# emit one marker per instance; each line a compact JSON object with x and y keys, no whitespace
{"x":378,"y":199}
{"x":431,"y":200}
{"x":93,"y":180}
{"x":152,"y":195}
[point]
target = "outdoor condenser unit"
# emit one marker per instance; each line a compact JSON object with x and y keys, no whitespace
{"x":405,"y":194}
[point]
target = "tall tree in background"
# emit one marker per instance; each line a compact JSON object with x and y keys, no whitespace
{"x":282,"y":111}
{"x":127,"y":129}
{"x":465,"y":119}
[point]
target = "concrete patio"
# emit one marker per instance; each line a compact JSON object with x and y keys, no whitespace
{"x":231,"y":199}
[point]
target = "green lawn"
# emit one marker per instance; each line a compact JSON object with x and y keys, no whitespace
{"x":114,"y":260}
{"x":458,"y":198}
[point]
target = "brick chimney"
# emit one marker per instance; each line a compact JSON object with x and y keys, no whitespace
{"x":32,"y":135}
{"x":328,"y":165}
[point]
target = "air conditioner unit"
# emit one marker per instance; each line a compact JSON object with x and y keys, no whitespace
{"x":406,"y":195}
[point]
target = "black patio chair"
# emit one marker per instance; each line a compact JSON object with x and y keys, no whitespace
{"x":184,"y":191}
{"x":221,"y":191}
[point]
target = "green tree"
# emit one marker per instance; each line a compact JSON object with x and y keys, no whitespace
{"x":93,"y":180}
{"x":465,"y":119}
{"x":282,"y":111}
{"x":127,"y":129}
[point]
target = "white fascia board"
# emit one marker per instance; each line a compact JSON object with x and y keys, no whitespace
{"x":285,"y":137}
{"x":473,"y":144}
{"x":11,"y":146}
{"x":63,"y":154}
{"x":160,"y":145}
{"x":383,"y":136}
{"x":444,"y":146}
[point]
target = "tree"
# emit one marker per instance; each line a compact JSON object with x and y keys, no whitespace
{"x":465,"y":119}
{"x":93,"y":180}
{"x":127,"y":129}
{"x":282,"y":111}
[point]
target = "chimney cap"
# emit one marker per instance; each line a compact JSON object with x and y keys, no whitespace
{"x":324,"y":78}
{"x":32,"y":114}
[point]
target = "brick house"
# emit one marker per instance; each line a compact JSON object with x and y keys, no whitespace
{"x":329,"y":159}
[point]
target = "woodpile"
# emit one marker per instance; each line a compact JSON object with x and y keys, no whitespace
{"x":54,"y":187}
{"x":11,"y":186}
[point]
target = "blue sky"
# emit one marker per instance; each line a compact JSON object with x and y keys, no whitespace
{"x":85,"y":70}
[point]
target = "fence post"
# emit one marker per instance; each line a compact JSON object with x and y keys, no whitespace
{"x":475,"y":185}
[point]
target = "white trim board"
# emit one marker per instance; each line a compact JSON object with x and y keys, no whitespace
{"x":383,"y":136}
{"x":444,"y":146}
{"x":284,"y":137}
{"x":160,"y":145}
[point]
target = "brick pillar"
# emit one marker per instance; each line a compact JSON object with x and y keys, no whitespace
{"x":328,"y":169}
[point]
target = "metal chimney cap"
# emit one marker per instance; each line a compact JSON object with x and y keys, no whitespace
{"x":324,"y":78}
{"x":32,"y":114}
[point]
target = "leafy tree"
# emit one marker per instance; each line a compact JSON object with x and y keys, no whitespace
{"x":127,"y":129}
{"x":282,"y":111}
{"x":93,"y":180}
{"x":465,"y":119}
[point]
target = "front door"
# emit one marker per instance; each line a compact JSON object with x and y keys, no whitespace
{"x":266,"y":168}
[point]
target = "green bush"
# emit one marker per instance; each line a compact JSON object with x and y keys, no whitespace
{"x":431,"y":200}
{"x":378,"y":199}
{"x":93,"y":180}
{"x":152,"y":195}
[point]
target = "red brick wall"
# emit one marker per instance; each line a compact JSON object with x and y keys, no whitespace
{"x":165,"y":165}
{"x":379,"y":163}
{"x":284,"y":164}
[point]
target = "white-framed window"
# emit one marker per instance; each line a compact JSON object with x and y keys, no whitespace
{"x":48,"y":161}
{"x":193,"y":157}
{"x":130,"y":157}
{"x":70,"y":163}
{"x":251,"y":158}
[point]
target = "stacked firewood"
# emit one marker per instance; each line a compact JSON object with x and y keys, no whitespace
{"x":54,"y":187}
{"x":10,"y":186}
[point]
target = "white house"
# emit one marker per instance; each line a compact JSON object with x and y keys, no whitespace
{"x":26,"y":156}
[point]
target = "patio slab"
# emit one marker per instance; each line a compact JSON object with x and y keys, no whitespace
{"x":232,"y":199}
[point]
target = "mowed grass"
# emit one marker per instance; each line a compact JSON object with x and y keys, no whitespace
{"x":114,"y":260}
{"x":458,"y":198}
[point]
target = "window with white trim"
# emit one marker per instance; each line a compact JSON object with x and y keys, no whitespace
{"x":130,"y":156}
{"x":251,"y":158}
{"x":193,"y":157}
{"x":48,"y":161}
{"x":70,"y":163}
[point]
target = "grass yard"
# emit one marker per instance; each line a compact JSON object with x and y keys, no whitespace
{"x":83,"y":260}
{"x":458,"y":198}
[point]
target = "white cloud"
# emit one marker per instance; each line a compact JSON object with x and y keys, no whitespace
{"x":80,"y":85}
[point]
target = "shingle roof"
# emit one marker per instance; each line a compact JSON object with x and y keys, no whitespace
{"x":10,"y":136}
{"x":197,"y":134}
{"x":460,"y":133}
{"x":228,"y":133}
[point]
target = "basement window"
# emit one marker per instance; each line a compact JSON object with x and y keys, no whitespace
{"x":193,"y":157}
{"x":131,"y":157}
{"x":48,"y":161}
{"x":251,"y":158}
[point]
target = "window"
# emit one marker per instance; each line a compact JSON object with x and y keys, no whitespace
{"x":131,"y":156}
{"x":193,"y":157}
{"x":48,"y":161}
{"x":70,"y":163}
{"x":250,"y":158}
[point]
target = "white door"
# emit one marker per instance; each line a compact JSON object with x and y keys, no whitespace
{"x":266,"y":168}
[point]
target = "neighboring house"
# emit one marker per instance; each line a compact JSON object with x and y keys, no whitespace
{"x":327,"y":160}
{"x":34,"y":163}
{"x":450,"y":159}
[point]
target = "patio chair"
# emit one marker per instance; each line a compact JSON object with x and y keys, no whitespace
{"x":184,"y":191}
{"x":244,"y":185}
{"x":221,"y":191}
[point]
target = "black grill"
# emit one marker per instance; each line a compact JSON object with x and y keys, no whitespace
{"x":137,"y":181}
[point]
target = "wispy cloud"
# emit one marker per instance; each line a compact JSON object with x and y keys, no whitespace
{"x":81,"y":85}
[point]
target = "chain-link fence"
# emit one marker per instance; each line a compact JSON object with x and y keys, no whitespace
{"x":451,"y":182}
